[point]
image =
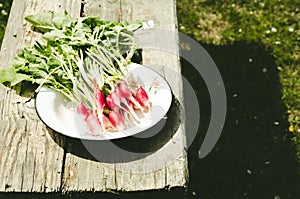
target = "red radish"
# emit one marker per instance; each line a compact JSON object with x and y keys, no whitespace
{"x":122,"y":104}
{"x":107,"y":124}
{"x":100,"y":102}
{"x":125,"y":95}
{"x":130,"y":103}
{"x":89,"y":112}
{"x":122,"y":90}
{"x":82,"y":110}
{"x":110,"y":103}
{"x":100,"y":98}
{"x":142,"y":97}
{"x":116,"y":99}
{"x":93,"y":125}
{"x":117,"y":120}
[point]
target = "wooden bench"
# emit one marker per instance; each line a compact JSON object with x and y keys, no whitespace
{"x":35,"y":159}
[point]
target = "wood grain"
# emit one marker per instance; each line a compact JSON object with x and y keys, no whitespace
{"x":30,"y":159}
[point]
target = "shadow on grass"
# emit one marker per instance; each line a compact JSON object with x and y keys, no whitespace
{"x":254,"y":157}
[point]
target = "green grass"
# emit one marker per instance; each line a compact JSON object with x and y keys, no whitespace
{"x":273,"y":23}
{"x":4,"y":12}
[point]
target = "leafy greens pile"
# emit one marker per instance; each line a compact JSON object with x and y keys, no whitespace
{"x":54,"y":60}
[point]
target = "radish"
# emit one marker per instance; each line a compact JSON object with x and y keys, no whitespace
{"x":92,"y":121}
{"x":100,"y":102}
{"x":83,"y":111}
{"x":110,"y":103}
{"x":99,"y":96}
{"x":122,"y":89}
{"x":107,"y":124}
{"x":116,"y":120}
{"x":93,"y":125}
{"x":124,"y":92}
{"x":127,"y":99}
{"x":123,"y":104}
{"x":116,"y":101}
{"x":100,"y":99}
{"x":130,"y":103}
{"x":89,"y":112}
{"x":142,"y":97}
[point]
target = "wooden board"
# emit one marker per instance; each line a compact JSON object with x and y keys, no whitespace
{"x":30,"y":160}
{"x":35,"y":159}
{"x":165,"y":168}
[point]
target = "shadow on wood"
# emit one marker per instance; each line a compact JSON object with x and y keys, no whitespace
{"x":125,"y":149}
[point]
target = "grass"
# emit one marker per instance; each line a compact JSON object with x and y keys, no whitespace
{"x":4,"y":12}
{"x":273,"y":23}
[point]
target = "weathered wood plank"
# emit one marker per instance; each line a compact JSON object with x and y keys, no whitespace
{"x":167,"y":167}
{"x":106,"y":9}
{"x":30,"y":160}
{"x":163,"y":15}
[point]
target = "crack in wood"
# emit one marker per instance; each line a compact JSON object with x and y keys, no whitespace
{"x":166,"y":176}
{"x":82,"y":13}
{"x":115,"y":177}
{"x":62,"y":180}
{"x":34,"y":169}
{"x":23,"y":166}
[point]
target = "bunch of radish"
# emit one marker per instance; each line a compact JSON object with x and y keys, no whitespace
{"x":109,"y":98}
{"x":116,"y":111}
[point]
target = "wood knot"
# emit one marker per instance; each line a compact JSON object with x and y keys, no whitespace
{"x":7,"y":186}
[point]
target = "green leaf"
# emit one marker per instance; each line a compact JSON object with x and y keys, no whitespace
{"x":7,"y":75}
{"x":42,"y":21}
{"x":79,"y":34}
{"x":19,"y":62}
{"x":134,"y":26}
{"x":53,"y":62}
{"x":40,"y":81}
{"x":19,"y":78}
{"x":61,"y":19}
{"x":10,"y":75}
{"x":43,"y":47}
{"x":54,"y":35}
{"x":37,"y":71}
{"x":29,"y":56}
